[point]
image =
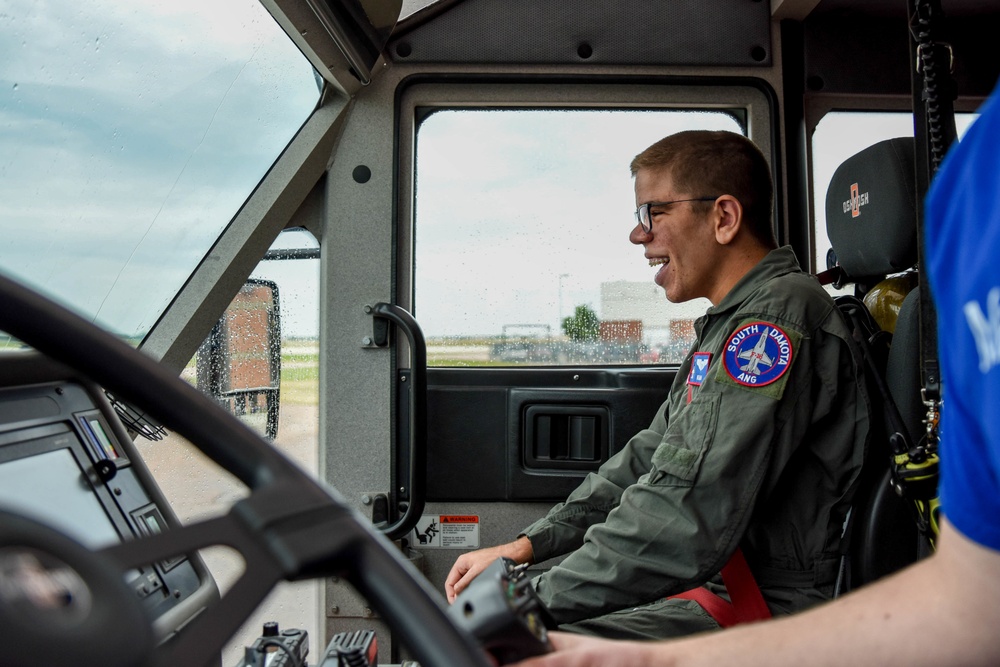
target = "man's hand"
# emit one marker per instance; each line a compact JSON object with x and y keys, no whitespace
{"x":469,"y":565}
{"x":581,"y":651}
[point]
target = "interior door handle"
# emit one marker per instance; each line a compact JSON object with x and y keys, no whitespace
{"x":418,"y":417}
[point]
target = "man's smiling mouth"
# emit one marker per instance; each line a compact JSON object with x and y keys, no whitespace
{"x":659,"y":260}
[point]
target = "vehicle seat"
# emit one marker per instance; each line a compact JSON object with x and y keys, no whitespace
{"x":872,"y":225}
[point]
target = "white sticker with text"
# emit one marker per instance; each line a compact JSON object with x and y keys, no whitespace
{"x":447,"y":531}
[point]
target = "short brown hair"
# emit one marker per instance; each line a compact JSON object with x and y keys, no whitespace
{"x":706,"y":163}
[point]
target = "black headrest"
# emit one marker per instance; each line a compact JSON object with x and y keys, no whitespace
{"x":871,"y":210}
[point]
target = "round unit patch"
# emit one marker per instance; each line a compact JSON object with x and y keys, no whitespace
{"x":757,"y":354}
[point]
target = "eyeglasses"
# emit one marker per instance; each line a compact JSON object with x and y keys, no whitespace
{"x":645,"y":220}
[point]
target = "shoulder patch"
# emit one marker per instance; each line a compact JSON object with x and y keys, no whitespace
{"x":758,"y":354}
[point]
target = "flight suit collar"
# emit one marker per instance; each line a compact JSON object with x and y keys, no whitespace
{"x":776,"y":263}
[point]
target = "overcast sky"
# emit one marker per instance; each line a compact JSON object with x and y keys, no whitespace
{"x":130,"y":134}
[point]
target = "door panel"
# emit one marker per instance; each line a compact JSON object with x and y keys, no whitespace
{"x":507,"y":435}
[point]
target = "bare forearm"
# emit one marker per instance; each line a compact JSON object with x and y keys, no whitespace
{"x":941,"y":611}
{"x":469,"y":565}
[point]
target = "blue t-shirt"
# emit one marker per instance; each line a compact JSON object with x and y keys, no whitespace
{"x":963,"y":255}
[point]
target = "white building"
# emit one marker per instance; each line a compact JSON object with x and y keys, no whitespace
{"x":645,"y":301}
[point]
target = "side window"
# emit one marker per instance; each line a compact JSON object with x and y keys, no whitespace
{"x":838,"y":136}
{"x":522,"y":255}
{"x":198,"y":489}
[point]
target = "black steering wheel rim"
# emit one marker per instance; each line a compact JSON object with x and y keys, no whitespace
{"x":290,"y":527}
{"x":51,"y":582}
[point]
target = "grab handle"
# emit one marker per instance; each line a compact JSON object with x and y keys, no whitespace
{"x":417,"y":414}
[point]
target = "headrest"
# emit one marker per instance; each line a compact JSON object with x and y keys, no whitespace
{"x":871,"y":213}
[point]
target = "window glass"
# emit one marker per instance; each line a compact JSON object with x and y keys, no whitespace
{"x":198,"y":489}
{"x":130,"y":135}
{"x":521,"y":251}
{"x":838,"y":136}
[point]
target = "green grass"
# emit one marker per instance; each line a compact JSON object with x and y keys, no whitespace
{"x":299,"y":392}
{"x":299,"y":357}
{"x":300,"y":366}
{"x":443,"y":362}
{"x":299,"y":373}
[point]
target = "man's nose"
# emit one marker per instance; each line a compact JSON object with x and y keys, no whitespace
{"x":638,"y":236}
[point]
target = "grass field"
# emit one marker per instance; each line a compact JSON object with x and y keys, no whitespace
{"x":300,"y":372}
{"x":300,"y":365}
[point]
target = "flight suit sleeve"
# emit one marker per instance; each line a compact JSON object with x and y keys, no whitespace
{"x":676,"y":527}
{"x":562,"y":529}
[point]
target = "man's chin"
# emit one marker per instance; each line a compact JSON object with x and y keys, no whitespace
{"x":671,"y":294}
{"x":677,"y":298}
{"x":672,"y":298}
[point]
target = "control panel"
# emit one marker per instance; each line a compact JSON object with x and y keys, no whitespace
{"x":66,"y":461}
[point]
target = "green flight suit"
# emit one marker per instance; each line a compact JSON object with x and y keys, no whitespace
{"x":724,"y":464}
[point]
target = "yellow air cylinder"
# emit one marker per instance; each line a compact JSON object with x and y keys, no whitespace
{"x":886,"y":298}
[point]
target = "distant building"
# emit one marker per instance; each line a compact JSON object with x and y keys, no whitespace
{"x":682,"y":330}
{"x":624,"y":300}
{"x":662,"y":322}
{"x":620,"y":331}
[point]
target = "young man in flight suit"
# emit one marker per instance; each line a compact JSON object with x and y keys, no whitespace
{"x":943,"y":610}
{"x":756,"y":449}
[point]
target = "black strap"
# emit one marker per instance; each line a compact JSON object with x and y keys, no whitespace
{"x":912,"y":466}
{"x":866,"y":330}
{"x":934,"y":131}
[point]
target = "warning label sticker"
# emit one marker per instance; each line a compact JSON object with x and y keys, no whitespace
{"x":448,"y":531}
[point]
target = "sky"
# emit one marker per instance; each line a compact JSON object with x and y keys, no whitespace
{"x":123,"y":141}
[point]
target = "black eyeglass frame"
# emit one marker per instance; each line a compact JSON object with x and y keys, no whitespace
{"x":643,"y":210}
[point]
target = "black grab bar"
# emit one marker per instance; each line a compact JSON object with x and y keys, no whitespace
{"x":417,"y":417}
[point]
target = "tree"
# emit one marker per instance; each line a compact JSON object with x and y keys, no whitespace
{"x":583,"y":325}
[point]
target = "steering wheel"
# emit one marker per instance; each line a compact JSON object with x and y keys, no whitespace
{"x":59,"y":600}
{"x":290,"y":526}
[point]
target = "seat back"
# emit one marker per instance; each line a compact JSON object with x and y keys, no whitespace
{"x":872,"y":225}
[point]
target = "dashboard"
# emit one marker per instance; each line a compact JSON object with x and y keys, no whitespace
{"x":66,"y":461}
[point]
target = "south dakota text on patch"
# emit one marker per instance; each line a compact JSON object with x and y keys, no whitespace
{"x":757,"y":354}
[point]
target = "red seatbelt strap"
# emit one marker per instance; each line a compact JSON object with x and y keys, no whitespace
{"x":747,"y":603}
{"x":829,"y":276}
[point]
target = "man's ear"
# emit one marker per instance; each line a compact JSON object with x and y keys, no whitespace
{"x":728,"y":219}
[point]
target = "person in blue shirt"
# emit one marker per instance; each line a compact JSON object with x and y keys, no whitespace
{"x":945,"y":609}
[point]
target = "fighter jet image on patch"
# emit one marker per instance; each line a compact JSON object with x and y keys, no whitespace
{"x":756,"y":356}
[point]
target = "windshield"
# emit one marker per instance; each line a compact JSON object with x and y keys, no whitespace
{"x":130,"y":135}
